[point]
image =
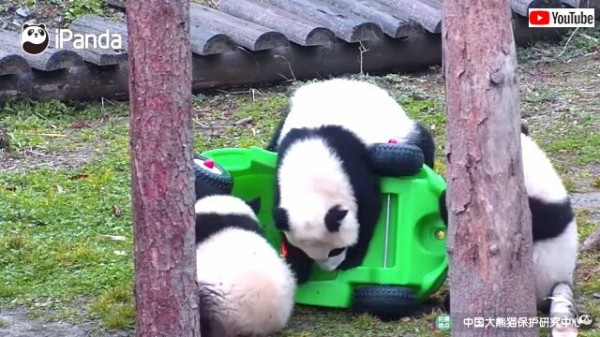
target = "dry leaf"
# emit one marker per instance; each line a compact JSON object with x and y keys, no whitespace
{"x":80,"y":124}
{"x":112,"y":237}
{"x":119,"y":252}
{"x":59,"y":188}
{"x":79,"y":176}
{"x":405,"y":319}
{"x":116,"y":210}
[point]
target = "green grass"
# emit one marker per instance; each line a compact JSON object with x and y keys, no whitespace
{"x":57,"y":211}
{"x":78,"y":8}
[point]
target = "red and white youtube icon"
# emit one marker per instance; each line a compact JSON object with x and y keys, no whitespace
{"x":561,"y":17}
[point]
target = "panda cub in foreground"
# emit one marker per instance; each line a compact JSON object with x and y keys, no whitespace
{"x":327,"y":197}
{"x":246,"y":289}
{"x":554,"y":229}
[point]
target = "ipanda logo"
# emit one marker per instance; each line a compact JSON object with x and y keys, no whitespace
{"x":35,"y":39}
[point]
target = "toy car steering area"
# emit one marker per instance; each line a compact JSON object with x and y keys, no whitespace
{"x":406,"y":261}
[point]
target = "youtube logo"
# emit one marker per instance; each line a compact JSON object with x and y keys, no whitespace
{"x":561,"y":17}
{"x":539,"y":18}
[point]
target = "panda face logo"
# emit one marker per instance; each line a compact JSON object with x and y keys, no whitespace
{"x":34,"y":38}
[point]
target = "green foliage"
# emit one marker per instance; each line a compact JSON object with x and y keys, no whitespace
{"x":77,"y":8}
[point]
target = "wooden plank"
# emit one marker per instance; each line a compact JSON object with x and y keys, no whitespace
{"x":94,"y":24}
{"x":12,"y":63}
{"x":119,"y":4}
{"x":11,"y":56}
{"x":202,"y":42}
{"x":591,"y":4}
{"x":298,"y":29}
{"x":571,"y":3}
{"x":241,"y":68}
{"x":245,"y":33}
{"x":205,"y":42}
{"x":345,"y":25}
{"x":437,"y":4}
{"x":51,"y":59}
{"x":379,"y":13}
{"x":521,"y":7}
{"x":422,"y":13}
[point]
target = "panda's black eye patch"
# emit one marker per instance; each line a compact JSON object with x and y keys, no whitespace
{"x":335,"y":252}
{"x":29,"y":32}
{"x":41,"y":31}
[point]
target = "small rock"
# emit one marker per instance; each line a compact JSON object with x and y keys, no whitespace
{"x":596,"y":295}
{"x":16,"y":24}
{"x":23,"y":11}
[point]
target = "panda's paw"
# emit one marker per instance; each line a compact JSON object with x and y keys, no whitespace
{"x":563,"y":331}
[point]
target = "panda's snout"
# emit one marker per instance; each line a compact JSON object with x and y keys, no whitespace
{"x":35,"y":34}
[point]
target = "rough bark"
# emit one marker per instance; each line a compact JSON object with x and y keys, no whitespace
{"x":162,"y":182}
{"x":490,"y":240}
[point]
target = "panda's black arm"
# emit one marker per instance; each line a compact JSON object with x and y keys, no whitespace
{"x":300,"y":263}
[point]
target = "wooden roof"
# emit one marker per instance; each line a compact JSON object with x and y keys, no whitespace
{"x":257,"y":25}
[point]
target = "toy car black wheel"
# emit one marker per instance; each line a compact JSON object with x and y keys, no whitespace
{"x":394,"y":160}
{"x":211,"y":178}
{"x":386,"y":302}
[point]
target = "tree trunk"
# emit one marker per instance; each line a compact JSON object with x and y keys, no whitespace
{"x":490,"y":240}
{"x":162,"y":182}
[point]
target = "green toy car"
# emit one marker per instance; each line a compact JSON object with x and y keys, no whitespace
{"x":406,"y":261}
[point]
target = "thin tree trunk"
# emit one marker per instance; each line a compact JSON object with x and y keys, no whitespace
{"x":162,"y":182}
{"x":490,"y":240}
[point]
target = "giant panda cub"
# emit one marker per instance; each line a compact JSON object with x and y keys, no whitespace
{"x":327,"y":195}
{"x":246,"y":288}
{"x":554,"y":229}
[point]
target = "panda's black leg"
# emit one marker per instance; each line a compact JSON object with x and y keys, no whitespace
{"x":424,"y":140}
{"x":300,"y":263}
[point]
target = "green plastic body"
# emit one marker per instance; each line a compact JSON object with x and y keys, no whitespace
{"x":415,"y":252}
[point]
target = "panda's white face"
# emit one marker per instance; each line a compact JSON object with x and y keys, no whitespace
{"x":34,"y":34}
{"x":317,"y":207}
{"x":324,"y":237}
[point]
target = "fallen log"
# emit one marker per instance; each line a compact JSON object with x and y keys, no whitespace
{"x":238,"y":68}
{"x":241,"y":68}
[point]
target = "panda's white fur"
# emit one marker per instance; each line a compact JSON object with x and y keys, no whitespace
{"x":308,"y":195}
{"x":555,"y":242}
{"x":248,"y":289}
{"x":554,"y":257}
{"x":366,"y":109}
{"x":323,"y":163}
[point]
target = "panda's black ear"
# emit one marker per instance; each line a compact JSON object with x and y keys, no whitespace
{"x":254,"y":204}
{"x":43,"y":26}
{"x":334,"y":217}
{"x":281,"y":219}
{"x":26,"y":25}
